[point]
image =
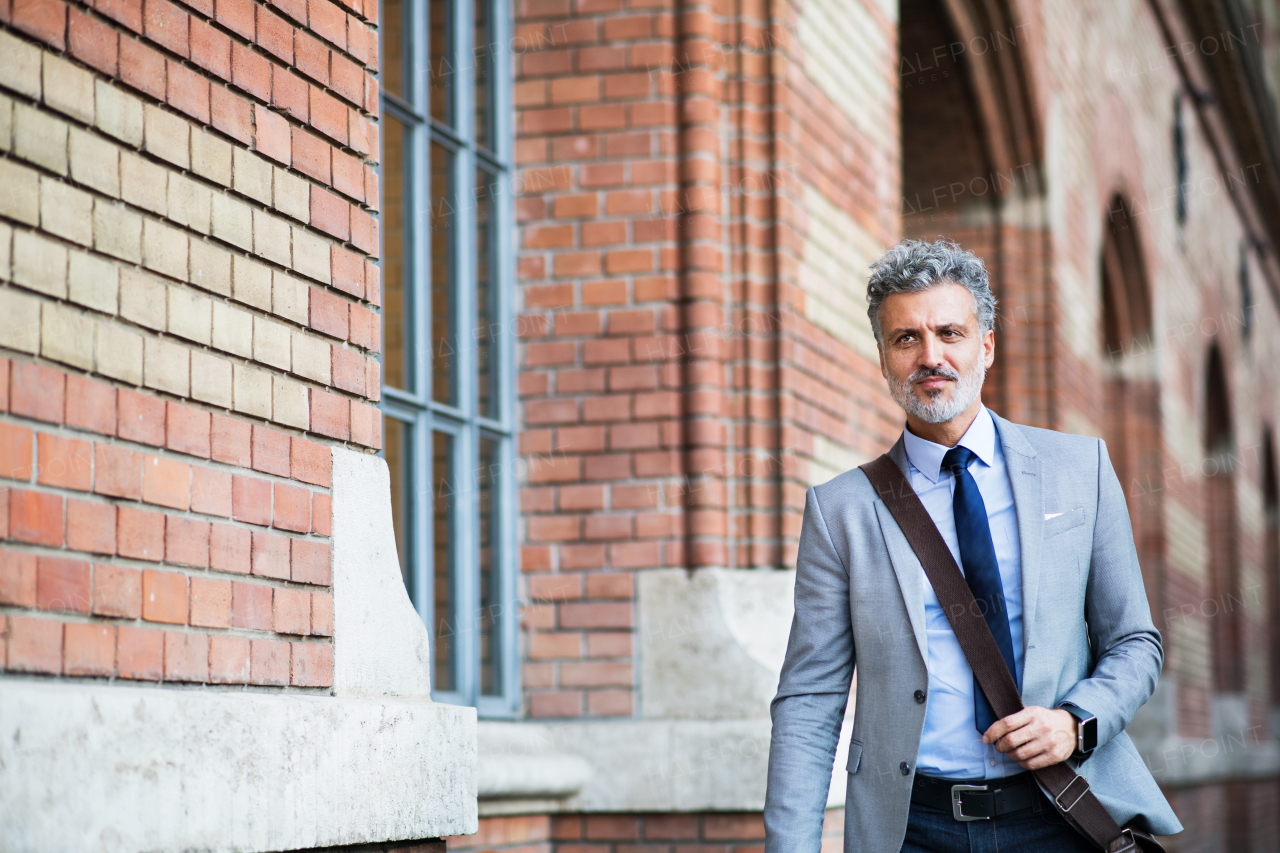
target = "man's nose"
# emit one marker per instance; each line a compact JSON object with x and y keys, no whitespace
{"x":930,"y":351}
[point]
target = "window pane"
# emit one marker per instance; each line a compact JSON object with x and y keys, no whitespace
{"x":444,"y":594}
{"x":396,"y":336}
{"x":440,"y":92}
{"x":392,"y":53}
{"x":489,"y":476}
{"x":483,"y":54}
{"x":443,"y":340}
{"x":486,"y":314}
{"x":398,"y":449}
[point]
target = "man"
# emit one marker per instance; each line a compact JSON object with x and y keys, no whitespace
{"x":1037,"y":522}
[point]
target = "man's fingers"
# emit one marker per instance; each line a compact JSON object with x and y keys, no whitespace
{"x":1016,"y":738}
{"x":1003,"y":726}
{"x":1030,"y":749}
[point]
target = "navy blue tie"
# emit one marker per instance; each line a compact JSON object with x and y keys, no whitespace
{"x":978,"y":559}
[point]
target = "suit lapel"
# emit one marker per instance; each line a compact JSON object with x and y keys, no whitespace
{"x":1027,"y":483}
{"x":906,"y":565}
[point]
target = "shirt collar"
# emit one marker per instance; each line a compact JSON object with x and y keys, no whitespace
{"x":926,"y":456}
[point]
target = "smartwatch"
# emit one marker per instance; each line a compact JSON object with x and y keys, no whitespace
{"x":1086,"y":731}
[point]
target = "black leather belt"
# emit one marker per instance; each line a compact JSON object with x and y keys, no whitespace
{"x":975,"y":799}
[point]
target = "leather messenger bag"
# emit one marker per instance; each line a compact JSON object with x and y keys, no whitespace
{"x":1070,"y":791}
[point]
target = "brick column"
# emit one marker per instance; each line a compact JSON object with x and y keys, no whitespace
{"x":188,"y":295}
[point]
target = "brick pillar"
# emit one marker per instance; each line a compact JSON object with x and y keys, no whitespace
{"x":701,"y":287}
{"x":188,"y":295}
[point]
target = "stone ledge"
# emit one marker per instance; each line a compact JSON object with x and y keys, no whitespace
{"x":126,"y":768}
{"x":632,"y":766}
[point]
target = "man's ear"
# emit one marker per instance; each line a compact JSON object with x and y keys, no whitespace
{"x":880,"y":352}
{"x":988,"y":348}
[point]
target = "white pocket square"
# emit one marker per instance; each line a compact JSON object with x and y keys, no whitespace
{"x":1049,"y":515}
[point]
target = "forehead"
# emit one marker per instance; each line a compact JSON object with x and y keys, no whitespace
{"x":947,"y":303}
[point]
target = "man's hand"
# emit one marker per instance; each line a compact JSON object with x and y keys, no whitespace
{"x":1034,"y":737}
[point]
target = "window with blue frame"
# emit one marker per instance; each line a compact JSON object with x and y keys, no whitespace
{"x":447,"y":362}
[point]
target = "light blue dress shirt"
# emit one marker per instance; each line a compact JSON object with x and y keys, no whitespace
{"x":951,"y":745}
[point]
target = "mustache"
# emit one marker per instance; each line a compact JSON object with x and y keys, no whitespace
{"x":931,"y":372}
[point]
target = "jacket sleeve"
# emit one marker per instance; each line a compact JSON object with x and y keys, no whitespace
{"x":813,"y":690}
{"x":1126,"y":646}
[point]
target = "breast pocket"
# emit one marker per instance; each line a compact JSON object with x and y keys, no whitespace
{"x":1060,"y":522}
{"x":855,"y":757}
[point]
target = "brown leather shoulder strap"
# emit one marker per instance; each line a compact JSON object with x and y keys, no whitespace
{"x":1070,"y":790}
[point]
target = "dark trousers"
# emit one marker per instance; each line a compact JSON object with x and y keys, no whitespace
{"x":1038,"y":829}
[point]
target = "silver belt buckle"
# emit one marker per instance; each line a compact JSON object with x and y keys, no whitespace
{"x":957,"y":811}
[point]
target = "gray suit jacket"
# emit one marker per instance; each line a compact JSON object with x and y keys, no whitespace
{"x":860,"y":598}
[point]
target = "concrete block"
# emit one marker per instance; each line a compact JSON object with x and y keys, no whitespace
{"x":166,"y":366}
{"x":19,"y":320}
{"x":142,"y":299}
{"x":66,"y":335}
{"x":68,"y":88}
{"x":210,"y":379}
{"x":66,"y":211}
{"x":210,"y":267}
{"x":93,"y":282}
{"x":39,"y":263}
{"x":40,"y":138}
{"x":118,"y":114}
{"x":406,"y":769}
{"x":166,"y":135}
{"x":117,"y":231}
{"x":119,"y":353}
{"x":371,"y":609}
{"x":271,"y":237}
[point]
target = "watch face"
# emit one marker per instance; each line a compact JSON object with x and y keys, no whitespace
{"x":1088,"y":734}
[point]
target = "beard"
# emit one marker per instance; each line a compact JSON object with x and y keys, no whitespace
{"x":936,"y":409}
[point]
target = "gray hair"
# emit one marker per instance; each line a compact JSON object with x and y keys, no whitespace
{"x":914,"y":265}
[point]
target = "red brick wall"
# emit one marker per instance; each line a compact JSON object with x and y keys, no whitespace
{"x":515,"y":834}
{"x":600,"y":388}
{"x":188,"y":245}
{"x":671,"y":386}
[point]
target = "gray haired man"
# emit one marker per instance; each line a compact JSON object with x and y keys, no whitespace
{"x":1035,"y":517}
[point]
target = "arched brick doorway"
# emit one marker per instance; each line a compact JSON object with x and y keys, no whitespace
{"x":1131,"y":392}
{"x":972,"y":172}
{"x":1223,"y":529}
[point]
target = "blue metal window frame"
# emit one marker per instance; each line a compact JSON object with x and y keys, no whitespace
{"x":417,"y":407}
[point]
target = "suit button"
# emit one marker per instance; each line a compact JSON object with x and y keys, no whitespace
{"x":919,"y":697}
{"x":905,"y":768}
